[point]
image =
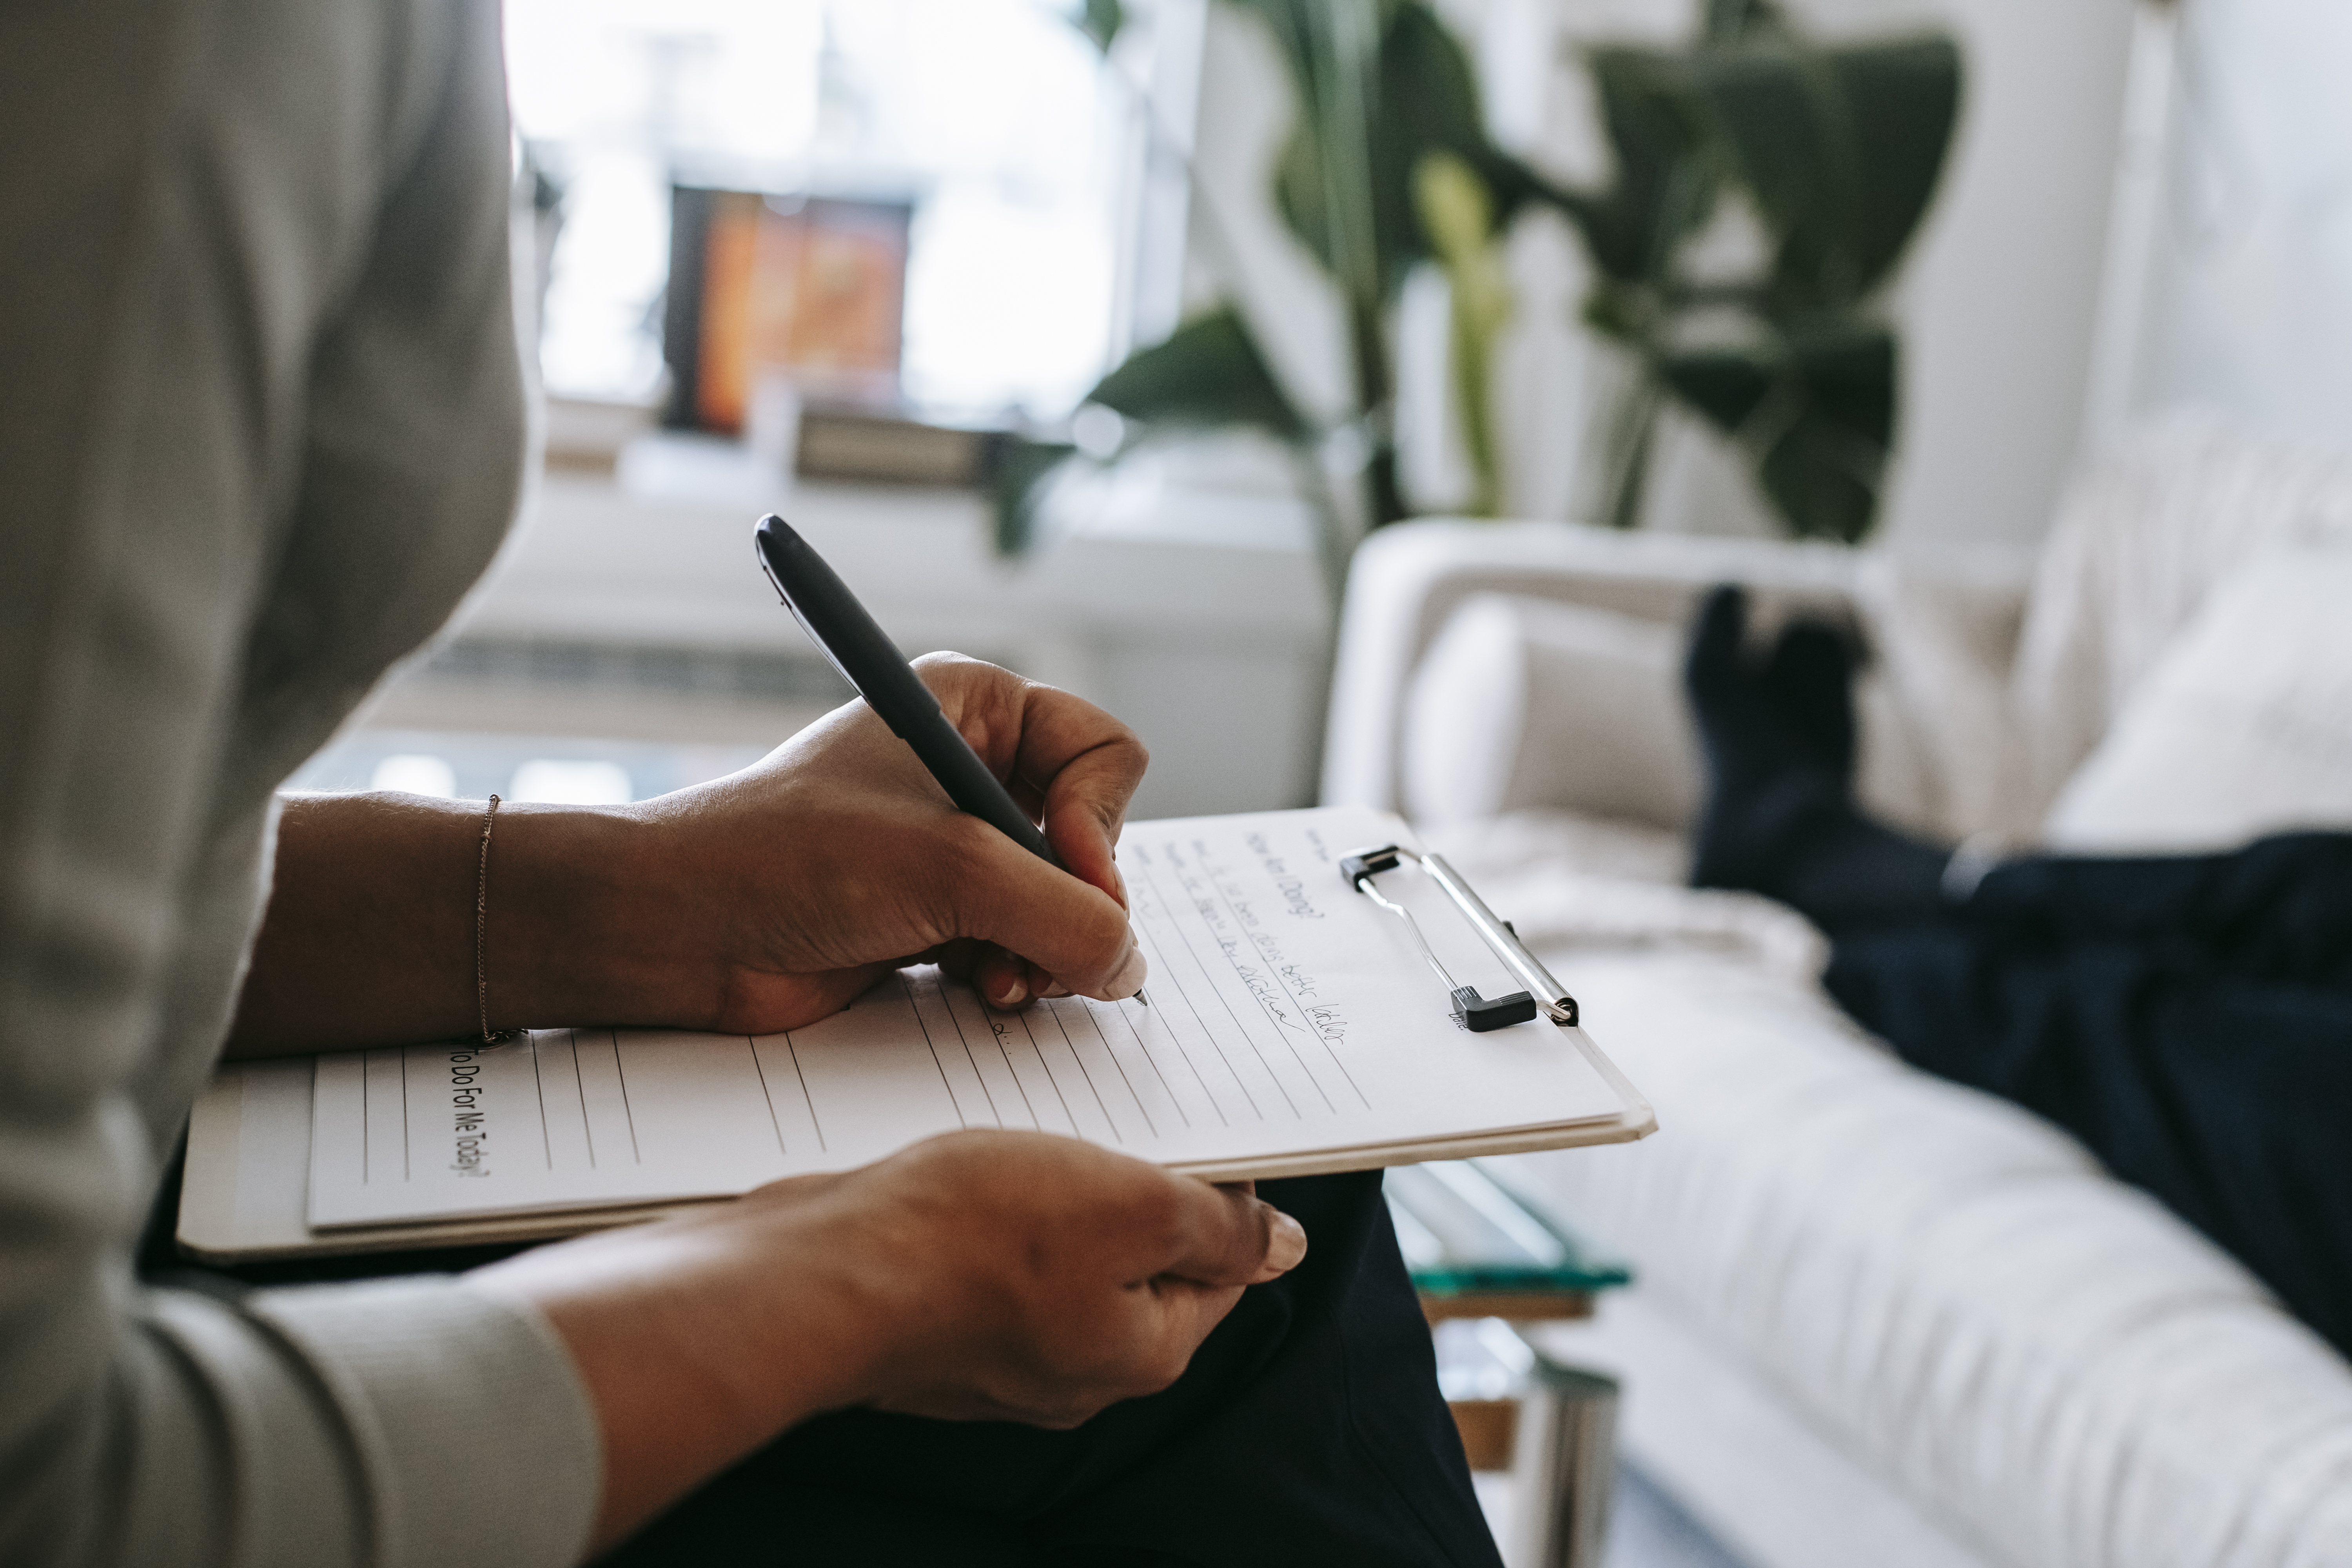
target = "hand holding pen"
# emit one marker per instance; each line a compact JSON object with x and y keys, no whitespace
{"x":856,"y":648}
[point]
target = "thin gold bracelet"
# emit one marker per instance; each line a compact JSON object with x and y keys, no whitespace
{"x":482,"y":933}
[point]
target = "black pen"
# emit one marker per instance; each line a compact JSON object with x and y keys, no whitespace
{"x":847,"y":635}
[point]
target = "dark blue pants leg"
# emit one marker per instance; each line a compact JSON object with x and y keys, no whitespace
{"x":2189,"y":1018}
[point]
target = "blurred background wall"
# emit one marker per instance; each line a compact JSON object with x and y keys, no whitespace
{"x":2233,"y":268}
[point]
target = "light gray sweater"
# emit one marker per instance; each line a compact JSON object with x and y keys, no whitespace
{"x":260,"y":424}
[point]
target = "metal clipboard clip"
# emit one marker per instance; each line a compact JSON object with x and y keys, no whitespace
{"x":1470,"y":1010}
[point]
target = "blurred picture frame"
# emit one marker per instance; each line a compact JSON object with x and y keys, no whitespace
{"x":810,"y":288}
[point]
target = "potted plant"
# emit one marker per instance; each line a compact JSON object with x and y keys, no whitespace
{"x":1834,"y":148}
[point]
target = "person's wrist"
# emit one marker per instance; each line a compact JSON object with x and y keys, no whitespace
{"x":848,"y":1320}
{"x":586,"y":912}
{"x":698,"y":1340}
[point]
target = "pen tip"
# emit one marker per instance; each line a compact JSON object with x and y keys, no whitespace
{"x":1141,"y":997}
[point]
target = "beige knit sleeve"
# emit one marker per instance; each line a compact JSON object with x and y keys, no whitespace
{"x":260,"y":423}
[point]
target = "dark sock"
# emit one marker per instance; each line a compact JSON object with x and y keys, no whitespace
{"x":1779,"y":735}
{"x":1808,"y":686}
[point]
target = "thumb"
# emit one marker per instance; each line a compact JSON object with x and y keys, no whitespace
{"x":1227,"y":1237}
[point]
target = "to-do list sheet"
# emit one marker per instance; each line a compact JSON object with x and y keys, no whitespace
{"x":1289,"y":1017}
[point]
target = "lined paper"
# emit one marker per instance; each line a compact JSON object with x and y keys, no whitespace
{"x":1289,"y":1017}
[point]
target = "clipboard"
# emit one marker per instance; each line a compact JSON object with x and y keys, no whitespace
{"x":1294,"y":1030}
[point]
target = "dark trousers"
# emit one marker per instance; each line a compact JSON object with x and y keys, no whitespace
{"x":1308,"y":1429}
{"x":2189,"y":1018}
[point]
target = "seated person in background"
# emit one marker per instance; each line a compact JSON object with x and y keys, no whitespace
{"x":2188,"y":1017}
{"x":262,"y":425}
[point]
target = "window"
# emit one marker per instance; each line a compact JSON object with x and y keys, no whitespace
{"x":1037,"y":238}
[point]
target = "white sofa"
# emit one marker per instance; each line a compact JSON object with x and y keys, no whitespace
{"x":1880,"y":1318}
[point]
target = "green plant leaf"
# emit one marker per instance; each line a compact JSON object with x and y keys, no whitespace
{"x":1729,"y":20}
{"x":1815,"y":407}
{"x":1422,"y":99}
{"x":1457,"y":211}
{"x":1902,"y":100}
{"x":1208,"y":374}
{"x":1777,"y":115}
{"x":1021,"y":471}
{"x":1848,"y":365}
{"x":1323,"y":178}
{"x":1302,"y":194}
{"x":1666,"y":179}
{"x":1841,"y":148}
{"x":1822,"y":480}
{"x":1292,"y":23}
{"x":1100,"y":21}
{"x":1725,"y":385}
{"x":1428,"y":105}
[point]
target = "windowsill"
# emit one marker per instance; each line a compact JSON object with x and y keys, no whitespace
{"x":659,"y":553}
{"x":1210,"y":643}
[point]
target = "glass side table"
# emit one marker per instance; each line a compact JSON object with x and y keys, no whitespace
{"x":1487,"y":1253}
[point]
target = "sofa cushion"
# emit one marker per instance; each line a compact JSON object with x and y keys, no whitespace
{"x":1520,"y":702}
{"x":2140,"y":542}
{"x":2243,"y":727}
{"x":1948,"y":1284}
